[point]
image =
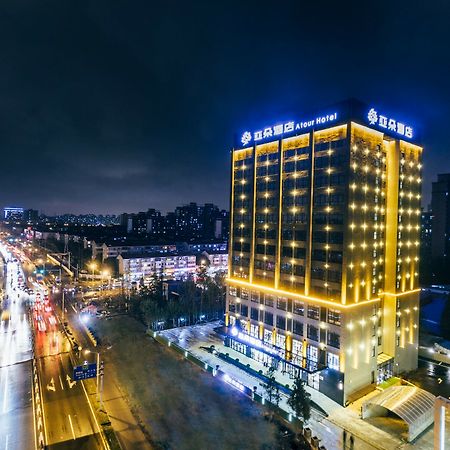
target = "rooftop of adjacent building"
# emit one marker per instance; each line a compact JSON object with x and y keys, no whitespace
{"x":148,"y":255}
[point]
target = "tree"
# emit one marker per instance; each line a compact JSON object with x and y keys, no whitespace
{"x":299,"y":400}
{"x":272,"y":391}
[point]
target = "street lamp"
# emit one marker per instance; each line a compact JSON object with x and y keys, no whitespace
{"x":86,"y":352}
{"x":93,"y":266}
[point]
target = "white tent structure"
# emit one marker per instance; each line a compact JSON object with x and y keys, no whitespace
{"x":412,"y":404}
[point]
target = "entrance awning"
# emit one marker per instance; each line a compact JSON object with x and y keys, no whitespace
{"x":383,"y":358}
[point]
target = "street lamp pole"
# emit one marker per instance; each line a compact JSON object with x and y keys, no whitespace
{"x":99,"y":393}
{"x":98,"y":371}
{"x":62,"y":288}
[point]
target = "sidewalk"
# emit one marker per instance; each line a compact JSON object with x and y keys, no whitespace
{"x":126,"y":427}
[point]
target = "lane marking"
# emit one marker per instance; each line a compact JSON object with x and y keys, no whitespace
{"x":60,"y":382}
{"x":71,"y":427}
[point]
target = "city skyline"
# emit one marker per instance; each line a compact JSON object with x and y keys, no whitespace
{"x":119,"y":113}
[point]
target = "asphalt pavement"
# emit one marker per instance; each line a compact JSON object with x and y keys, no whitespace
{"x":70,"y":420}
{"x":16,"y":406}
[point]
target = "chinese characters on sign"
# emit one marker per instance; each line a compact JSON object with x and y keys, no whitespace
{"x":286,"y":128}
{"x":389,"y":124}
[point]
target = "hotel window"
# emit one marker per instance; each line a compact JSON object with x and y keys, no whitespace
{"x":299,"y":308}
{"x":334,"y":317}
{"x":334,"y":340}
{"x":232,"y":307}
{"x":282,"y":303}
{"x":255,"y":296}
{"x":314,"y":312}
{"x":269,"y":300}
{"x":254,"y":314}
{"x":268,"y":318}
{"x":333,"y":361}
{"x":281,"y":322}
{"x":312,"y":333}
{"x":297,"y":327}
{"x":244,"y":294}
{"x":232,"y":291}
{"x":244,"y":310}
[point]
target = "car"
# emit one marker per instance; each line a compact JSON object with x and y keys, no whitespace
{"x":52,"y":320}
{"x":48,"y":308}
{"x":41,"y":326}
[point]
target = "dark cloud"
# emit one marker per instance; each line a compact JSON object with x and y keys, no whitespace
{"x":119,"y":106}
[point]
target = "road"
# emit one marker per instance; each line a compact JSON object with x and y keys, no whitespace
{"x":432,"y":376}
{"x":126,"y":427}
{"x":16,"y":406}
{"x":69,"y":418}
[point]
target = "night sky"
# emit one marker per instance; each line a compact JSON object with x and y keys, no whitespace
{"x":120,"y":106}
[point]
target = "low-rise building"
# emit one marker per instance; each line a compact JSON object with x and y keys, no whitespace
{"x":108,"y":250}
{"x":218,"y":261}
{"x":143,"y":266}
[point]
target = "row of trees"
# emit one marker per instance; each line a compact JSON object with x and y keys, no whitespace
{"x":299,"y":400}
{"x":195,"y":301}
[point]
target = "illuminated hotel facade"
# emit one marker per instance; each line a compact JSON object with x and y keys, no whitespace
{"x":324,"y":248}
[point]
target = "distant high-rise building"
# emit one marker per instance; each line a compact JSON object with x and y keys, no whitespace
{"x":31,"y":215}
{"x":425,"y":247}
{"x":324,"y":248}
{"x":440,"y":234}
{"x":142,"y":223}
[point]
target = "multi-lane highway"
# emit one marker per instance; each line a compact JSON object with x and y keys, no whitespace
{"x":68,"y":419}
{"x":16,"y":404}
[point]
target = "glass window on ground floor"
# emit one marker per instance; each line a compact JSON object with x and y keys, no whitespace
{"x":297,"y":352}
{"x":280,"y":340}
{"x":333,"y":361}
{"x":254,"y":330}
{"x":312,"y":353}
{"x":268,"y":336}
{"x":261,"y":357}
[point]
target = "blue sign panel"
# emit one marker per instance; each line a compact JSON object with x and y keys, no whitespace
{"x":85,"y":371}
{"x":350,"y":110}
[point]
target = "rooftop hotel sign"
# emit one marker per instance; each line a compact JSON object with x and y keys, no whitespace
{"x":286,"y":128}
{"x":389,"y":124}
{"x":339,"y":114}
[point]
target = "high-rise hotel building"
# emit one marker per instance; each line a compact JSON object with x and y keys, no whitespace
{"x":324,"y":248}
